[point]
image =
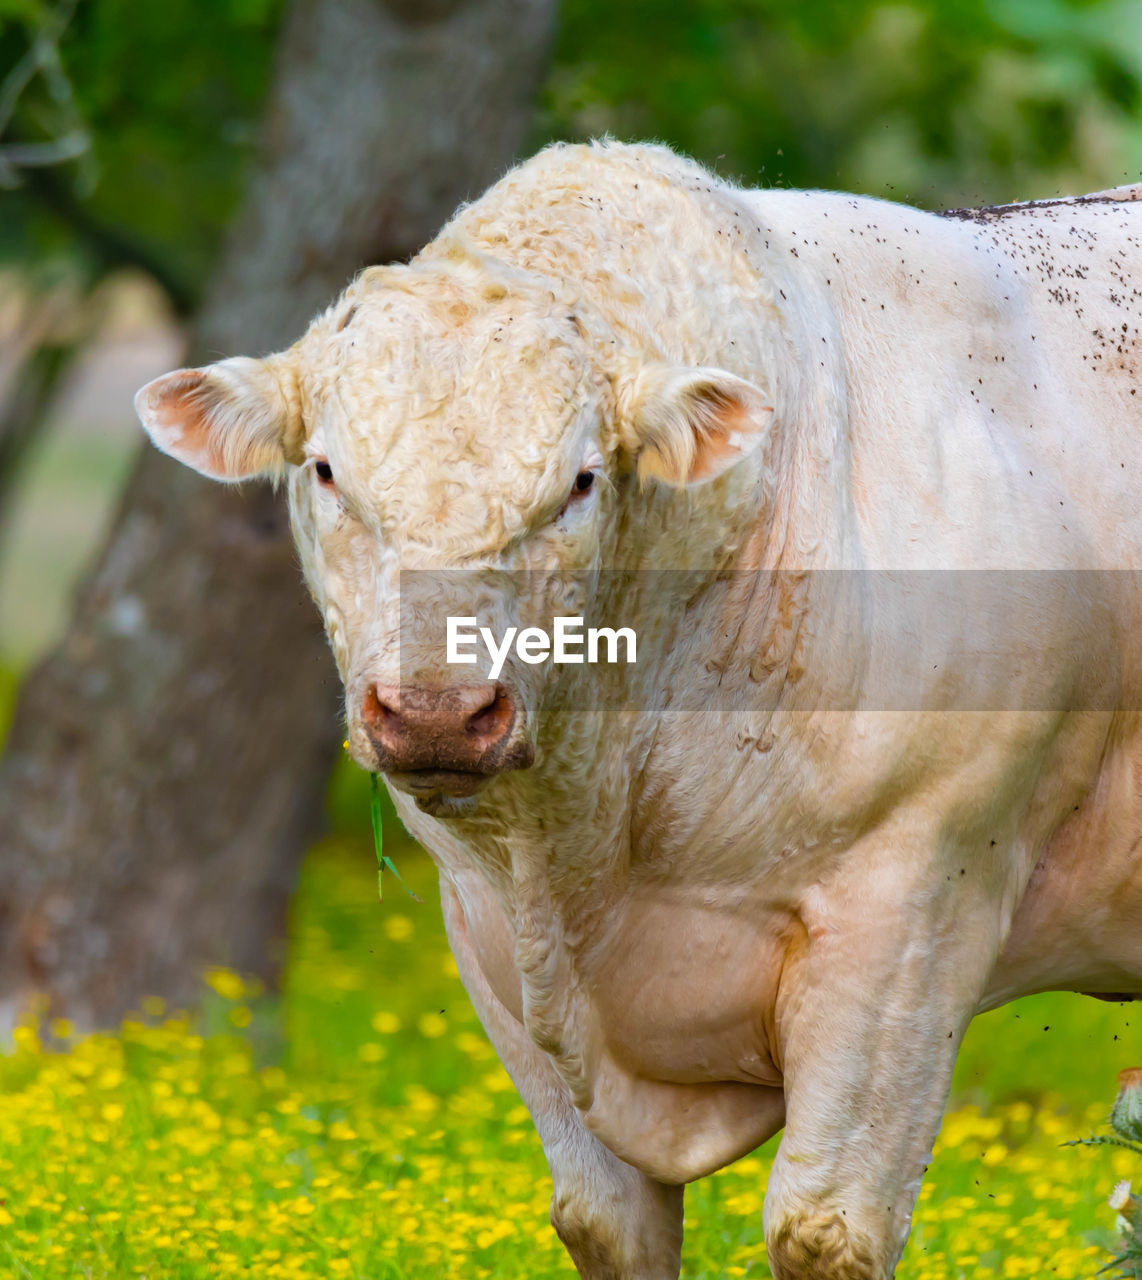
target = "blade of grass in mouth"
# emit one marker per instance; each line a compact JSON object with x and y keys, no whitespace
{"x":383,"y":860}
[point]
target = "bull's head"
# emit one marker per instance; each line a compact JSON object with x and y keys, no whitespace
{"x":455,"y":415}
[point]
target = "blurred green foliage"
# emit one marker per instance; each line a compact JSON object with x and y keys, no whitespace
{"x":169,"y":96}
{"x":943,"y":101}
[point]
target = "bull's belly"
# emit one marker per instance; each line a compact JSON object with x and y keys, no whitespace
{"x":677,"y":1133}
{"x":685,"y":992}
{"x":1079,"y":924}
{"x":685,"y":1080}
{"x":671,"y":1035}
{"x":681,"y":990}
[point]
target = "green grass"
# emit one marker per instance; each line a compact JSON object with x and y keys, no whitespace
{"x":358,"y":1124}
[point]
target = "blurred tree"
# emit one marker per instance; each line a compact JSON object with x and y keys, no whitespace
{"x":166,"y":765}
{"x":125,"y":134}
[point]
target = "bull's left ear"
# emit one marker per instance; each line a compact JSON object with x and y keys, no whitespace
{"x":231,"y":421}
{"x":689,"y":425}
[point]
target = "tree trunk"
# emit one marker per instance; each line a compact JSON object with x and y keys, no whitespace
{"x":167,"y":764}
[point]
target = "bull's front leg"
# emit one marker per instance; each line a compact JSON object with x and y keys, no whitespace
{"x":873,"y":1003}
{"x":616,"y":1223}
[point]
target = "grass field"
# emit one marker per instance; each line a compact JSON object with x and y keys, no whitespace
{"x":359,"y":1125}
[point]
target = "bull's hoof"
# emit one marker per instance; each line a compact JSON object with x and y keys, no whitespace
{"x":821,"y":1248}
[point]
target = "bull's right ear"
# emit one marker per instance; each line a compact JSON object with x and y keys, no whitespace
{"x":687,"y":425}
{"x":230,"y":421}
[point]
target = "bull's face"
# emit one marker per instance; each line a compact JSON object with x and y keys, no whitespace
{"x":455,"y":446}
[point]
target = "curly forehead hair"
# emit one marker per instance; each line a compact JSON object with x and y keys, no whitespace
{"x":426,"y":326}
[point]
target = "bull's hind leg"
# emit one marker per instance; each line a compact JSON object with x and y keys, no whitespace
{"x":616,"y":1223}
{"x":873,"y":1003}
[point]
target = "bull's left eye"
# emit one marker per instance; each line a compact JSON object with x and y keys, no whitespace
{"x":584,"y":483}
{"x":324,"y":472}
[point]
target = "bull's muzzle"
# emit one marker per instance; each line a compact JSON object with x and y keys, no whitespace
{"x":448,"y":741}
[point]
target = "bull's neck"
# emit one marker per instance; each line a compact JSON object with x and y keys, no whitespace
{"x":556,"y":840}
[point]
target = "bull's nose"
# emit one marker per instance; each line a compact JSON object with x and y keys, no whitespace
{"x":464,"y":728}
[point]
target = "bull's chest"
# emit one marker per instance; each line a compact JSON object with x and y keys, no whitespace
{"x":668,"y":984}
{"x":660,"y":1030}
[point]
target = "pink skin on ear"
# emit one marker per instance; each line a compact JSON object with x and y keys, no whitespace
{"x":176,"y":420}
{"x":227,"y":421}
{"x":727,"y":427}
{"x":690,"y":425}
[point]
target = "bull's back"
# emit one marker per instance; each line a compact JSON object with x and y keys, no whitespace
{"x":1074,"y":271}
{"x":992,"y":360}
{"x":992,"y":365}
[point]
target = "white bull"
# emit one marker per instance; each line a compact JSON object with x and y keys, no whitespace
{"x":844,"y":799}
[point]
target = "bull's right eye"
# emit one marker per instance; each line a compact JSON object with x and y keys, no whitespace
{"x":324,"y":472}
